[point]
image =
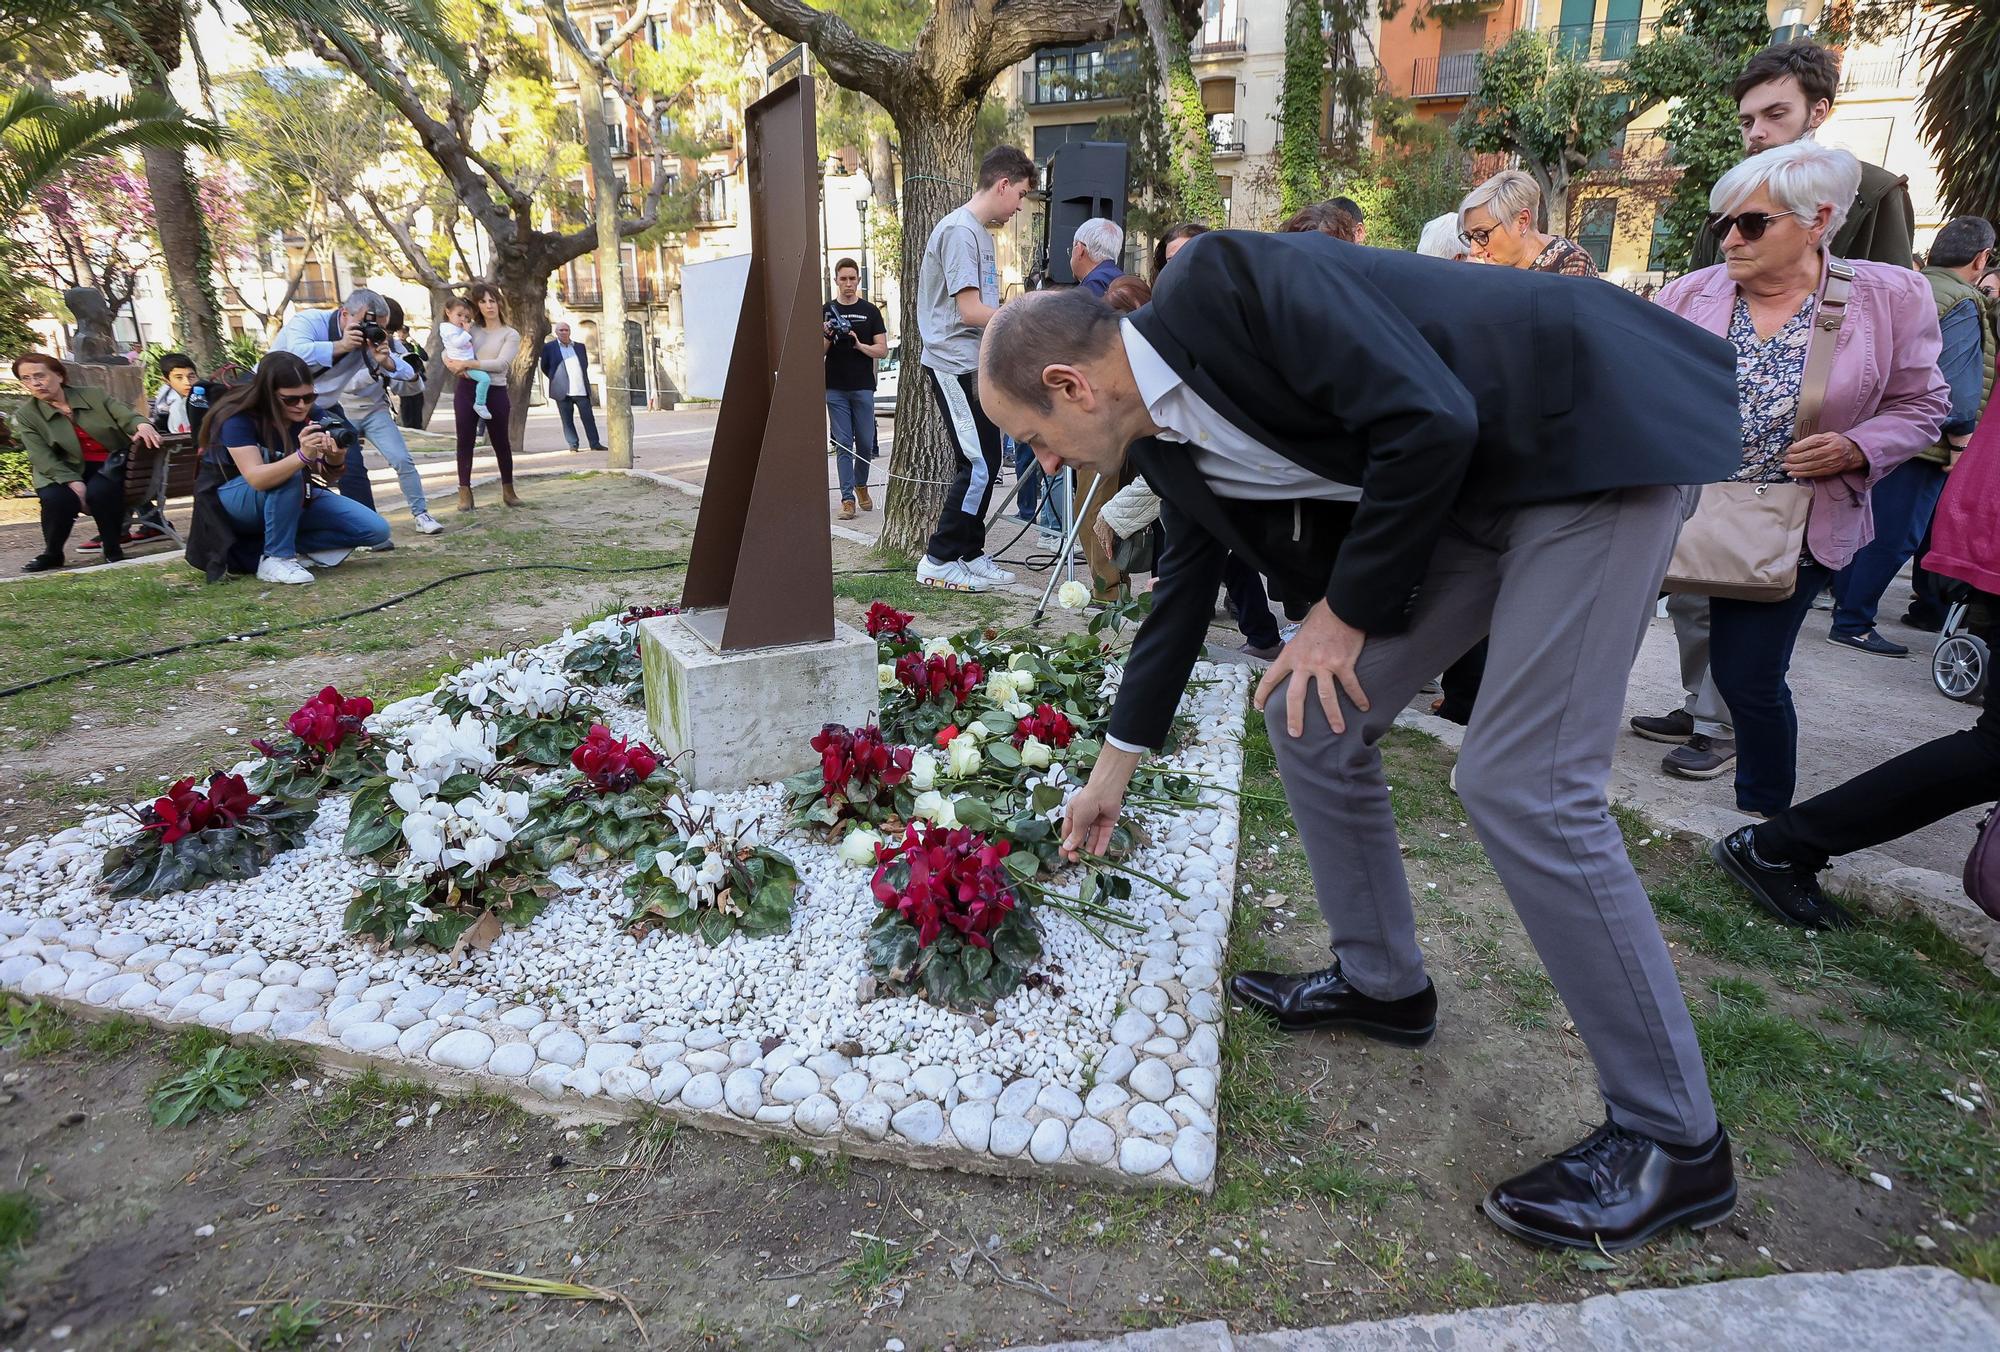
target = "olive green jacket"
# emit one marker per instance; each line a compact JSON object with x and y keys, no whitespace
{"x":54,"y":457}
{"x":1953,"y":291}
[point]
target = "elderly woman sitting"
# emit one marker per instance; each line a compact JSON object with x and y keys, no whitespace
{"x":1884,"y":403}
{"x":76,"y":439}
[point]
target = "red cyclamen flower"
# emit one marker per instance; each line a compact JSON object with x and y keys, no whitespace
{"x":185,"y":810}
{"x":327,"y":720}
{"x":884,"y":618}
{"x":854,"y":765}
{"x":954,"y":877}
{"x":1048,"y":724}
{"x":612,"y":765}
{"x":936,"y":677}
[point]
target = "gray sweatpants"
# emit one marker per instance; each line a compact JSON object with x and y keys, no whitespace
{"x":1689,"y":613}
{"x":1563,"y":590}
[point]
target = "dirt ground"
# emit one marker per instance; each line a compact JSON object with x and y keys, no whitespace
{"x":1350,"y":1172}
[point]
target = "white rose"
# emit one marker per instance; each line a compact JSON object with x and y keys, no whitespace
{"x":1000,"y":689}
{"x":923,"y":771}
{"x":885,"y":676}
{"x":937,"y":647}
{"x":859,"y":847}
{"x":1035,"y":754}
{"x":1072,"y":596}
{"x":962,"y":757}
{"x":1022,"y":665}
{"x":979,"y":732}
{"x":931,"y":807}
{"x":1021,"y":710}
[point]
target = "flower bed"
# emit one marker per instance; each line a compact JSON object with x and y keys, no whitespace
{"x":591,"y":933}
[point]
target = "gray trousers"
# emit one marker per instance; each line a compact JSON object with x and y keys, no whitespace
{"x":1565,"y":590}
{"x":1689,"y":613}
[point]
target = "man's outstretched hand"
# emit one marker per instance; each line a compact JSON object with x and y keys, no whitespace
{"x":1093,"y":810}
{"x":1324,"y":651}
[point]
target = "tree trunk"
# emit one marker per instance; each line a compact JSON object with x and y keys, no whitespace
{"x":187,"y":255}
{"x":938,"y":171}
{"x":612,"y":356}
{"x":437,"y":379}
{"x":522,"y":274}
{"x":1191,"y":155}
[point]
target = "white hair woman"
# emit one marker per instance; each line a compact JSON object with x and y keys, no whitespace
{"x":1497,"y":223}
{"x":1440,"y":238}
{"x":1884,"y":401}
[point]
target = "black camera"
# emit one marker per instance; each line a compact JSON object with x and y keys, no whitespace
{"x":337,"y":428}
{"x":839,"y":325}
{"x":373,"y":333}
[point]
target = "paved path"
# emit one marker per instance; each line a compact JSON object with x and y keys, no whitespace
{"x":1910,"y":1309}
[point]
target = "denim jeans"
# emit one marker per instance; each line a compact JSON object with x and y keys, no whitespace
{"x":850,"y":416}
{"x":1749,"y":653}
{"x":291,"y":524}
{"x":379,"y":429}
{"x":1902,"y":502}
{"x":1027,"y":479}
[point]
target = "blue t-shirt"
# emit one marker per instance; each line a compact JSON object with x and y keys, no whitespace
{"x":245,"y":429}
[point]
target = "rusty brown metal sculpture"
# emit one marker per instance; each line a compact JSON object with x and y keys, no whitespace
{"x":761,"y":571}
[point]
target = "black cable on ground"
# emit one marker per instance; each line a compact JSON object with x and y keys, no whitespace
{"x":325,"y":620}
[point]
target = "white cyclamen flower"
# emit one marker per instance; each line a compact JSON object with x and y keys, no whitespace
{"x":859,"y":846}
{"x":1035,"y":754}
{"x":1020,"y":710}
{"x":711,"y":871}
{"x":684,"y":877}
{"x":1072,"y":596}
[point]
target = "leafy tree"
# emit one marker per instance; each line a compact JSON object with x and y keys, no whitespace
{"x":1959,"y":114}
{"x":1697,"y":50}
{"x":1192,"y":187}
{"x":933,"y":89}
{"x":88,"y":228}
{"x":1419,"y":172}
{"x":1544,"y":103}
{"x":1301,"y":177}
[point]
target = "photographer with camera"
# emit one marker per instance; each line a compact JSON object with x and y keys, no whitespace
{"x":353,"y":360}
{"x":271,"y":452}
{"x":856,"y":338}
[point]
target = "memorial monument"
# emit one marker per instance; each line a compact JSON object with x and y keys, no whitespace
{"x":756,"y":663}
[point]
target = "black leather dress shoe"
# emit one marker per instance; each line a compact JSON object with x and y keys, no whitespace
{"x":1787,"y":891}
{"x":41,"y":563}
{"x":1615,"y":1190}
{"x":1325,"y":1000}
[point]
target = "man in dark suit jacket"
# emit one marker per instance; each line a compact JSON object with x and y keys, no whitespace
{"x":566,"y":366}
{"x":1434,"y":451}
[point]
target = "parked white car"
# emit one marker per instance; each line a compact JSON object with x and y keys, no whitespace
{"x":888,"y":373}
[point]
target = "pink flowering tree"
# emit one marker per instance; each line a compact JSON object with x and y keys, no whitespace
{"x":90,"y":227}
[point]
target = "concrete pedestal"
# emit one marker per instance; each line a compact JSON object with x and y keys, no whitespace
{"x":749,"y":717}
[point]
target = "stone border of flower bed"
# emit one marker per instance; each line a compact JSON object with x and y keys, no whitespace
{"x":1147,"y":1119}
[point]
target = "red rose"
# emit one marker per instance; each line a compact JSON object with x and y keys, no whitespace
{"x":945,"y":735}
{"x":886,"y":619}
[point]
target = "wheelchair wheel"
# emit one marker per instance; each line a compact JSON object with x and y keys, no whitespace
{"x":1960,"y":666}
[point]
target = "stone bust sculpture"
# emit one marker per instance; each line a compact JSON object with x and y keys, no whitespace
{"x":94,"y":342}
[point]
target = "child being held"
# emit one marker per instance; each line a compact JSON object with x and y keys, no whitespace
{"x":456,"y":334}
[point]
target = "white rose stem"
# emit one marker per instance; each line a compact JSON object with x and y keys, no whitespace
{"x":1069,"y":541}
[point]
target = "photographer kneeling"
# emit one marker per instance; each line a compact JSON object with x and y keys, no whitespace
{"x":266,"y":442}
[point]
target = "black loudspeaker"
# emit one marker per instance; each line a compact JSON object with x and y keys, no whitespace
{"x":1085,"y":179}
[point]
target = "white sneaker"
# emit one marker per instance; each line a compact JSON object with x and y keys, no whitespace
{"x":324,"y":558}
{"x":953,"y":576}
{"x":427,"y":524}
{"x":286,"y":571}
{"x":483,"y":413}
{"x":1286,"y":632}
{"x":983,"y":566}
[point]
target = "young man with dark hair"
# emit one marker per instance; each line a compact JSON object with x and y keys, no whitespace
{"x":958,"y":291}
{"x":1902,"y":502}
{"x":1786,"y":92}
{"x":1352,"y":208}
{"x":855,"y":338}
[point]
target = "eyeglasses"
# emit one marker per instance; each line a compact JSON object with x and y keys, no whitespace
{"x":295,"y":400}
{"x":1476,"y":238}
{"x":1749,"y":224}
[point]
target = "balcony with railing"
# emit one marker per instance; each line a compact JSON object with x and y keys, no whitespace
{"x":1106,"y":81}
{"x":314,"y":291}
{"x":586,"y":292}
{"x":1221,"y":37}
{"x":1879,"y":74}
{"x":1614,"y":41}
{"x":1451,"y":76}
{"x":1225,"y":134}
{"x":1638,"y":154}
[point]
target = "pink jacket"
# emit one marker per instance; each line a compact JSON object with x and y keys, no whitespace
{"x":1885,"y":391}
{"x":1965,"y":533}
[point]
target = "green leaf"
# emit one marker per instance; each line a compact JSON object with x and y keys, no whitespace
{"x":892,"y":947}
{"x":974,"y":814}
{"x":1004,"y":754}
{"x":1017,"y":943}
{"x":1022,"y":864}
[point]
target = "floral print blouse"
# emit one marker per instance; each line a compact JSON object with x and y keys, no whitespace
{"x":1560,"y":255}
{"x":1768,"y":375}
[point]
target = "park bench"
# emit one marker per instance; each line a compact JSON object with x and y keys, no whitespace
{"x":156,"y":476}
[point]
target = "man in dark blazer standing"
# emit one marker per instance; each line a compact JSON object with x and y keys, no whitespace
{"x":566,"y":366}
{"x":1520,"y":445}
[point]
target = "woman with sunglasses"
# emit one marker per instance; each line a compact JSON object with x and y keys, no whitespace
{"x":1884,"y":401}
{"x":267,"y":457}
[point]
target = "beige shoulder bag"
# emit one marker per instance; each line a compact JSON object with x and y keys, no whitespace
{"x":1744,"y":539}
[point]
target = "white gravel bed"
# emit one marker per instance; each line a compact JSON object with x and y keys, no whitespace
{"x":1109,"y":1069}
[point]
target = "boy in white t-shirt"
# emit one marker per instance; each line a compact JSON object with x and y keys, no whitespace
{"x":456,"y":334}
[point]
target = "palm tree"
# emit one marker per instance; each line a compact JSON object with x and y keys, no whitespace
{"x":44,"y":134}
{"x":147,"y":38}
{"x":1960,"y":110}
